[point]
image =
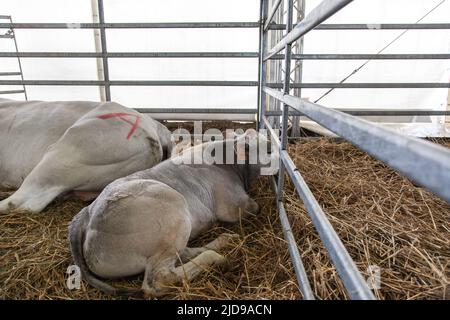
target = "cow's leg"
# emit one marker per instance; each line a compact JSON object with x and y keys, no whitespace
{"x":160,"y":275}
{"x":158,"y":281}
{"x":217,"y":244}
{"x":31,"y":199}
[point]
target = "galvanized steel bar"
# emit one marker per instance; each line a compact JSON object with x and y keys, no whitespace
{"x":373,"y":26}
{"x":218,"y":25}
{"x":219,"y":83}
{"x":101,"y":18}
{"x":198,"y":110}
{"x":406,"y":56}
{"x":131,"y":25}
{"x":262,"y":66}
{"x":302,"y":278}
{"x":300,"y":272}
{"x":11,"y":91}
{"x":384,"y":26}
{"x":275,"y":136}
{"x":374,"y":112}
{"x":298,"y":67}
{"x":286,"y":87}
{"x":425,"y":163}
{"x":320,"y":13}
{"x":211,"y":83}
{"x":376,"y":85}
{"x":271,"y":13}
{"x":352,"y":279}
{"x":13,"y":33}
{"x":131,"y":54}
{"x":10,"y":73}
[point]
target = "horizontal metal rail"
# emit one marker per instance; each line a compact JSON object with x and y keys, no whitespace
{"x":405,"y":56}
{"x":211,"y":83}
{"x":12,"y":91}
{"x":10,"y":73}
{"x":271,"y":14}
{"x":319,"y":14}
{"x":130,"y":25}
{"x":439,"y":56}
{"x":425,"y":163}
{"x":215,"y":83}
{"x":374,"y":112}
{"x":130,"y":54}
{"x":198,"y":110}
{"x":354,"y":112}
{"x":201,"y":25}
{"x":371,"y":85}
{"x":373,"y":26}
{"x":302,"y":277}
{"x":6,"y":36}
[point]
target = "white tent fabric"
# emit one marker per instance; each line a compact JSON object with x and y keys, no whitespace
{"x":360,"y":11}
{"x":371,"y":41}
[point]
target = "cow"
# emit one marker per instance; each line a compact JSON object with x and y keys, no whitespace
{"x":142,"y":223}
{"x":51,"y":148}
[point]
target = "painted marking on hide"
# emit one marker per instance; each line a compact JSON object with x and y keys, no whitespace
{"x":122,"y":116}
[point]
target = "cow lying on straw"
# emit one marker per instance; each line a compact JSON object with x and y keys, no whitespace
{"x":143,"y":222}
{"x":50,"y":148}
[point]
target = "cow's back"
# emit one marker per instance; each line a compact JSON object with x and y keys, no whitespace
{"x":28,"y":128}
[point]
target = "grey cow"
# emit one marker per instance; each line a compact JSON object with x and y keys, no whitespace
{"x":143,"y":222}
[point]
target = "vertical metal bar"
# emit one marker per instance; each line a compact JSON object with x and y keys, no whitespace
{"x":298,"y":73}
{"x":98,"y":48}
{"x":279,"y":63}
{"x":273,"y":67}
{"x":262,"y":65}
{"x":299,"y":268}
{"x":286,"y":87}
{"x":101,"y":18}
{"x":18,"y":59}
{"x":447,"y":118}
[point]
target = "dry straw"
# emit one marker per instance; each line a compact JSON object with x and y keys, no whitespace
{"x":382,"y":218}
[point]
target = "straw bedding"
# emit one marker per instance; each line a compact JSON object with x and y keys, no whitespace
{"x":382,"y":218}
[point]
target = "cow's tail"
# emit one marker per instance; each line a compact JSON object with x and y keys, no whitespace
{"x":76,"y":238}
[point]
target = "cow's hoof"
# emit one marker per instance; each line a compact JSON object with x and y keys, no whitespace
{"x":227,"y":264}
{"x":149,"y":293}
{"x":226,"y":239}
{"x":6,"y":206}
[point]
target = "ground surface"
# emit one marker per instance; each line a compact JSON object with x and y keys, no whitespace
{"x":382,"y":219}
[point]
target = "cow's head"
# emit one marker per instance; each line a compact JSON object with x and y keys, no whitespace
{"x":255,"y":155}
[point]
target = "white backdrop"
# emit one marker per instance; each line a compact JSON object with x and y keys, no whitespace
{"x":360,"y":11}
